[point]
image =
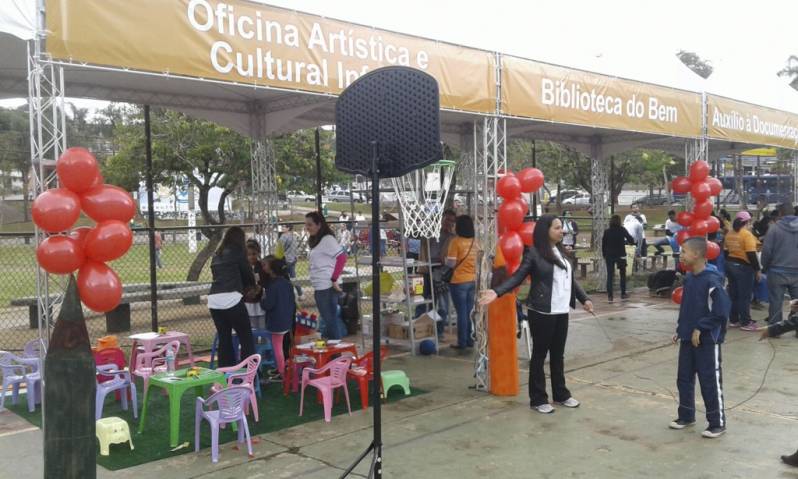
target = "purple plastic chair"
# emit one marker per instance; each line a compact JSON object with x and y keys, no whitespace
{"x":231,"y":403}
{"x":32,"y":349}
{"x":17,"y":370}
{"x":120,"y":382}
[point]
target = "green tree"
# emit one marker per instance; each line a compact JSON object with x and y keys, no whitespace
{"x":15,"y":153}
{"x":698,"y":65}
{"x":296,"y":160}
{"x":553,"y":159}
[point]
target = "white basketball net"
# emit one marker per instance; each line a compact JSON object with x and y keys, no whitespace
{"x":422,"y":195}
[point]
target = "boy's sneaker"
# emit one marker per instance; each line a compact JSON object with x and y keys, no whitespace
{"x":734,"y":325}
{"x":749,"y":327}
{"x":570,"y":402}
{"x":713,"y":432}
{"x":680,"y":424}
{"x":544,"y":408}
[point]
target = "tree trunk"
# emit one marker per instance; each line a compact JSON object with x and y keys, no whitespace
{"x":202,"y":257}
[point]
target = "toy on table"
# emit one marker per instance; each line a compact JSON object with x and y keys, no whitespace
{"x":193,"y":372}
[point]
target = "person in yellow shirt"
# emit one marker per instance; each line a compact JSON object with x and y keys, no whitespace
{"x":462,"y":256}
{"x":742,"y":268}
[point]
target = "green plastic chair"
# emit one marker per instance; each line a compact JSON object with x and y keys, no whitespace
{"x":394,"y":378}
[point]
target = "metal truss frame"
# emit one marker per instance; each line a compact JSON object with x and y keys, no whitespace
{"x":264,"y":182}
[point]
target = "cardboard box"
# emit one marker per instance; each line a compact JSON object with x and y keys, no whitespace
{"x":423,"y":327}
{"x":416,"y":284}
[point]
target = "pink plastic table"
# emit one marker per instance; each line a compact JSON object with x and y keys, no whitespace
{"x":152,"y":341}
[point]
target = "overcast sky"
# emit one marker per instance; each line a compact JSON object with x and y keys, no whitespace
{"x":638,"y":35}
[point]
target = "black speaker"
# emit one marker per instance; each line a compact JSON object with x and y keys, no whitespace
{"x":395,"y":108}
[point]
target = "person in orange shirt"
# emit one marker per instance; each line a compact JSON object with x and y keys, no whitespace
{"x":462,"y":257}
{"x":742,"y":267}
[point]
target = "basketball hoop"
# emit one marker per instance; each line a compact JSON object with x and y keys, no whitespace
{"x":422,"y":195}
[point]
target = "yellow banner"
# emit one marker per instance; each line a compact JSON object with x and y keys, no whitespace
{"x":746,"y":123}
{"x":546,"y":92}
{"x":257,"y":44}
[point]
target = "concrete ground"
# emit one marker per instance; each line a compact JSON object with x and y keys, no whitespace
{"x":620,"y":365}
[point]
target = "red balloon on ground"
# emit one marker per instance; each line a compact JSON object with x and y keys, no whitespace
{"x":527,"y":232}
{"x":56,"y":210}
{"x":511,"y":214}
{"x":681,"y":184}
{"x":508,"y":187}
{"x":713,"y":250}
{"x":79,"y":235}
{"x":108,"y":241}
{"x":715,"y":186}
{"x":60,"y":255}
{"x":77,"y":169}
{"x":700,"y":191}
{"x":698,"y":228}
{"x":714,"y":224}
{"x":699,"y":171}
{"x":676,"y":295}
{"x":531,"y":179}
{"x":99,"y":287}
{"x":702,"y":210}
{"x":684,"y":218}
{"x":512,"y":246}
{"x":108,"y":202}
{"x":681,"y":236}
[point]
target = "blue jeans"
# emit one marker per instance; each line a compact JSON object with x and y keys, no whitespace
{"x":741,"y":289}
{"x":330,"y":325}
{"x":463,"y":297}
{"x":778,"y":284}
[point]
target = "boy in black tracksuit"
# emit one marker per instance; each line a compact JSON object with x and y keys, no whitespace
{"x":700,"y":331}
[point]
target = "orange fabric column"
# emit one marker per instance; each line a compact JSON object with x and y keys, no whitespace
{"x":502,"y":344}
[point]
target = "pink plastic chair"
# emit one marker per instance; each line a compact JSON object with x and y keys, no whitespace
{"x":327,"y":384}
{"x":231,"y":403}
{"x":148,"y":364}
{"x":120,"y":381}
{"x":16,"y":371}
{"x":246,"y":378}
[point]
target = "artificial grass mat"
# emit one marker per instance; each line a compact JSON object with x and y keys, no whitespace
{"x":276,"y":412}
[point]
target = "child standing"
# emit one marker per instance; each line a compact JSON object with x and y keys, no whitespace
{"x":700,"y":331}
{"x":252,"y":297}
{"x":279,"y":303}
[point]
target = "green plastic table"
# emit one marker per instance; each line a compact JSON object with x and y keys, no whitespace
{"x":175,"y":386}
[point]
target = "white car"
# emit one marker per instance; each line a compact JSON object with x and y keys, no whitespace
{"x":580,"y":199}
{"x":300,"y":196}
{"x":343,"y":197}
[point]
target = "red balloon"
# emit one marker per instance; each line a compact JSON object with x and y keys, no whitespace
{"x":512,"y":246}
{"x":714,"y":224}
{"x":701,"y":191}
{"x":702,"y":210}
{"x":108,"y":241}
{"x":681,"y":184}
{"x":99,"y":287}
{"x":684,"y":218}
{"x":527,"y":232}
{"x":60,"y":255}
{"x":524,"y":205}
{"x":56,"y":210}
{"x":713,"y":250}
{"x":699,"y":171}
{"x":79,"y":235}
{"x":513,"y":267}
{"x":508,"y":187}
{"x":681,"y":236}
{"x":715,"y":186}
{"x":698,"y":228}
{"x":676,"y":295}
{"x":531,"y":179}
{"x":511,"y":214}
{"x":98,"y":181}
{"x":77,"y":169}
{"x":108,"y":202}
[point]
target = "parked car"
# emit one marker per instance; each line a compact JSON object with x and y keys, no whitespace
{"x":653,"y":200}
{"x":343,"y":197}
{"x":564,"y":195}
{"x":300,"y":196}
{"x":580,"y":199}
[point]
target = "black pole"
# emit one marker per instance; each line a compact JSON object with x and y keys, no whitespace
{"x":151,"y":220}
{"x":535,"y":194}
{"x":318,"y":171}
{"x":612,"y":185}
{"x":375,"y":471}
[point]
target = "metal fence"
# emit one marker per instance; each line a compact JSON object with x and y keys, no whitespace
{"x":182,"y":302}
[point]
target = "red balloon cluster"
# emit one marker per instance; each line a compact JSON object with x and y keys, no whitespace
{"x":699,"y":222}
{"x":515,"y":233}
{"x":85,"y":249}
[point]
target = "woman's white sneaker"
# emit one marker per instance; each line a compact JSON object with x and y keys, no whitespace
{"x":544,"y":408}
{"x":570,"y":402}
